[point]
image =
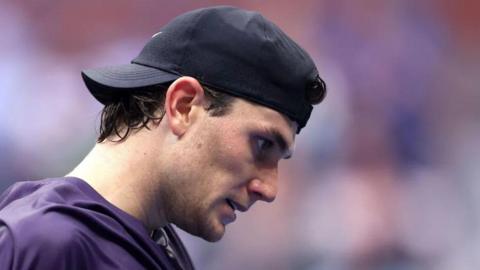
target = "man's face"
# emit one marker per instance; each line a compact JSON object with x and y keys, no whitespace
{"x":224,"y":164}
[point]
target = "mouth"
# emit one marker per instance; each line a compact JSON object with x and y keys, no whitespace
{"x":231,"y":204}
{"x":236,"y":206}
{"x":229,"y":217}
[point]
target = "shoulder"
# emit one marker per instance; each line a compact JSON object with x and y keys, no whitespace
{"x":50,"y":228}
{"x":42,"y":245}
{"x":6,"y":248}
{"x":35,"y":202}
{"x":48,"y":241}
{"x":39,"y":229}
{"x":61,"y":225}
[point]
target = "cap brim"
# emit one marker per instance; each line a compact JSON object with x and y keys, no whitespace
{"x":107,"y":82}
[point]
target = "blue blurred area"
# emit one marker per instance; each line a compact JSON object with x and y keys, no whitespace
{"x":384,"y":176}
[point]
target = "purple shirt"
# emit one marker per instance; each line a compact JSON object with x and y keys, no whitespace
{"x":63,"y":223}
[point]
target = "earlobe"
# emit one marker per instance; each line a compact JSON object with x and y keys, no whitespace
{"x":183,"y":99}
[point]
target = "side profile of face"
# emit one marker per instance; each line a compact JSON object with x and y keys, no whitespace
{"x":221,"y":165}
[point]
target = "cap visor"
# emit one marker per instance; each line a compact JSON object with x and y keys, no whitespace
{"x":128,"y":76}
{"x":107,"y":82}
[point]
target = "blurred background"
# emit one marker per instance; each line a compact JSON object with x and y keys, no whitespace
{"x":385,"y":176}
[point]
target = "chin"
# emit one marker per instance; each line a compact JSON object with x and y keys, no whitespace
{"x":213,"y":238}
{"x":212,"y":232}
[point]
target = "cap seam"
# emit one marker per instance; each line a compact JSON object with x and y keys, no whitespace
{"x":191,"y":31}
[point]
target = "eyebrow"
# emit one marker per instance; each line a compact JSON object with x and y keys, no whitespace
{"x":281,"y":142}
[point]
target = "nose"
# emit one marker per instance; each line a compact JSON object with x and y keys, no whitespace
{"x":264,"y":188}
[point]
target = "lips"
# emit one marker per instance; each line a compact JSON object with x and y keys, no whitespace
{"x":236,"y":206}
{"x":231,"y":204}
{"x":229,"y":216}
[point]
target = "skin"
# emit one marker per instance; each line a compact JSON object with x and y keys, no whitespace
{"x":183,"y":170}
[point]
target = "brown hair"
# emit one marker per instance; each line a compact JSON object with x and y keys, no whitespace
{"x":135,"y":110}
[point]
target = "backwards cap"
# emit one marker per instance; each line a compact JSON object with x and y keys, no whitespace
{"x":231,"y":50}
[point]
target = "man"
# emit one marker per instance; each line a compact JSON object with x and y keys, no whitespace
{"x":192,"y":131}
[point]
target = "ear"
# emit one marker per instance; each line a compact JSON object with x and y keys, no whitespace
{"x":184,"y":100}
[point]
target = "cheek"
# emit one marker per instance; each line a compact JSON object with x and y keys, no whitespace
{"x":232,"y":155}
{"x":220,"y":155}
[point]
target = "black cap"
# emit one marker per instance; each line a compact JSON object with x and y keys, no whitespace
{"x":231,"y":50}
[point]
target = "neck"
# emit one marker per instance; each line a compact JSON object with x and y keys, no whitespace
{"x":121,"y":173}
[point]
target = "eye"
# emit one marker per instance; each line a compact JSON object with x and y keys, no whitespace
{"x":263,"y":144}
